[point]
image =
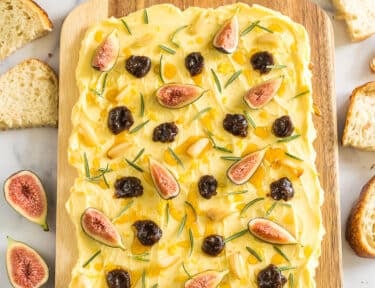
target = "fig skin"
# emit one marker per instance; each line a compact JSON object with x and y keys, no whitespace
{"x":206,"y":279}
{"x":36,"y":269}
{"x":106,"y":54}
{"x":226,"y":39}
{"x":38,"y":204}
{"x":258,"y":96}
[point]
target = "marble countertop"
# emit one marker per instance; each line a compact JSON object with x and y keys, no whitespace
{"x":35,"y":149}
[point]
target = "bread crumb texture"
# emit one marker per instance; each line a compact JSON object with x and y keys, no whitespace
{"x":21,"y":21}
{"x":28,"y":96}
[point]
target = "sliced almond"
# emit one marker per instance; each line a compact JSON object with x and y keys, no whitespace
{"x":165,"y":261}
{"x":236,"y":265}
{"x":118,"y":150}
{"x":196,"y":149}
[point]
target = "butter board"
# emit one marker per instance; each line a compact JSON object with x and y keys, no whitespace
{"x":321,"y":36}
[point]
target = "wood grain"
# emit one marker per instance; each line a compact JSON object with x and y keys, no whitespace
{"x":329,"y":273}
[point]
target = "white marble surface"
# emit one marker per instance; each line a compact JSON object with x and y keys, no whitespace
{"x":35,"y":149}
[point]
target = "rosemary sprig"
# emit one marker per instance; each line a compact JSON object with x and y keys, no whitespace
{"x":269,"y":211}
{"x":126,"y":26}
{"x":167,"y":213}
{"x":191,"y":239}
{"x":145,"y":16}
{"x":250,"y":119}
{"x":276,"y":67}
{"x":286,"y":268}
{"x":91,"y":258}
{"x":216,"y":79}
{"x":220,"y":148}
{"x":291,"y":280}
{"x":167,"y":49}
{"x":231,"y":158}
{"x":123,"y":210}
{"x":293,"y":156}
{"x":186,"y":271}
{"x":102,"y":172}
{"x":254,"y":253}
{"x":237,"y":192}
{"x":288,"y":139}
{"x":249,"y":28}
{"x":104,"y":84}
{"x":175,"y":156}
{"x":141,"y":257}
{"x":161,"y":68}
{"x":249,"y":204}
{"x":172,"y":39}
{"x":301,"y":94}
{"x":86,"y":164}
{"x":135,"y":166}
{"x":192,"y":209}
{"x":182,"y":225}
{"x":156,"y":285}
{"x":139,"y":154}
{"x":236,"y":235}
{"x":200,"y":113}
{"x":264,"y":28}
{"x":281,"y":253}
{"x":139,"y":127}
{"x":142,"y":105}
{"x":232,"y":78}
{"x":144,"y":275}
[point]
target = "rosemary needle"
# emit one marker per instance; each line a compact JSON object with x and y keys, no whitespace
{"x":281,"y":253}
{"x":145,"y":16}
{"x":175,"y":156}
{"x":173,"y":41}
{"x":182,"y":225}
{"x":251,"y":203}
{"x":232,"y":78}
{"x":254,"y":253}
{"x":167,"y":49}
{"x":139,"y":127}
{"x":126,"y":26}
{"x":91,"y":258}
{"x":216,"y":79}
{"x":236,"y":235}
{"x":161,"y":69}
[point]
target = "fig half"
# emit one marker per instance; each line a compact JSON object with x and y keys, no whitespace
{"x":25,"y":193}
{"x":98,"y":227}
{"x":206,"y":279}
{"x":105,"y":56}
{"x":165,"y":182}
{"x":242,"y":170}
{"x":270,"y":232}
{"x":260,"y":95}
{"x":175,"y":96}
{"x":226,"y":39}
{"x":25,"y":267}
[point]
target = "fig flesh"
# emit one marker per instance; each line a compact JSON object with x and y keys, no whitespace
{"x":105,"y":56}
{"x":165,"y":182}
{"x":242,"y":170}
{"x":270,"y":232}
{"x":25,"y":193}
{"x":175,"y":96}
{"x":226,"y":39}
{"x":206,"y":279}
{"x":98,"y":227}
{"x":260,"y":95}
{"x":26,"y":268}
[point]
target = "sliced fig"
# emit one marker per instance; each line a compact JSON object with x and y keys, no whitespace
{"x":270,"y":232}
{"x":242,"y":170}
{"x":226,"y":39}
{"x":97,"y":226}
{"x":26,"y":268}
{"x":25,"y":193}
{"x":164,"y":181}
{"x":206,"y":279}
{"x":260,"y":95}
{"x":175,"y":96}
{"x":105,"y":56}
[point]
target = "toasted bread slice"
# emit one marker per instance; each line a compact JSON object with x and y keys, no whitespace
{"x":359,"y":16}
{"x":360,"y":229}
{"x":21,"y":21}
{"x":28,"y":96}
{"x":359,"y":129}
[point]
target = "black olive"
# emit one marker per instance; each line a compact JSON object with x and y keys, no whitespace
{"x":138,"y":66}
{"x":119,"y":119}
{"x":126,"y":187}
{"x":236,"y":124}
{"x":148,"y":232}
{"x":207,"y":186}
{"x":194,"y":63}
{"x":213,"y":245}
{"x":165,"y":132}
{"x":282,"y":189}
{"x":283,"y":126}
{"x":118,"y":278}
{"x":261,"y":62}
{"x":271,"y":277}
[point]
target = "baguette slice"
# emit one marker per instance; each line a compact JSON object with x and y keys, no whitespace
{"x":359,"y":129}
{"x":21,"y":21}
{"x":28,"y":96}
{"x":360,"y":229}
{"x":359,"y":16}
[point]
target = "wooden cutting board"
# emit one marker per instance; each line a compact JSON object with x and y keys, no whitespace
{"x":329,"y":273}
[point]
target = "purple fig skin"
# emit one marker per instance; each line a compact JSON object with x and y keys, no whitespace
{"x":173,"y":186}
{"x":25,"y":267}
{"x":25,"y":193}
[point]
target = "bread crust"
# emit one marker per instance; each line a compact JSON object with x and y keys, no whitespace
{"x":48,"y":25}
{"x":365,"y":88}
{"x":354,"y":229}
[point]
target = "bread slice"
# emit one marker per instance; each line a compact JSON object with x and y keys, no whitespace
{"x":359,"y":16}
{"x":359,"y":129}
{"x":21,"y":21}
{"x":360,"y":229}
{"x":28,"y":96}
